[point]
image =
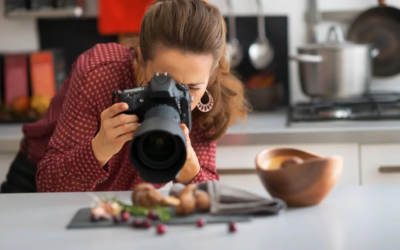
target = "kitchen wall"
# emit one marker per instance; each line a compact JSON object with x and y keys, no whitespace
{"x":17,"y":35}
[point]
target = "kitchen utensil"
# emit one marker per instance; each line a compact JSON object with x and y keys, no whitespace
{"x":336,"y":68}
{"x":261,"y":52}
{"x":380,"y":26}
{"x":303,"y":184}
{"x":314,"y":17}
{"x":234,"y":49}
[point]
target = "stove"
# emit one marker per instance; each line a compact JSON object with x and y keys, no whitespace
{"x":365,"y":109}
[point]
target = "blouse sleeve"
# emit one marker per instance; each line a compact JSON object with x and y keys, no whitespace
{"x":205,"y":152}
{"x":69,"y":164}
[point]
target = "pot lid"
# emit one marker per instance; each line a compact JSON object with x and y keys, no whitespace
{"x":338,"y":42}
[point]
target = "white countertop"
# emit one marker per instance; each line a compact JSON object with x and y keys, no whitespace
{"x":271,"y":128}
{"x":10,"y":137}
{"x":349,"y":218}
{"x":277,"y":122}
{"x":10,"y":131}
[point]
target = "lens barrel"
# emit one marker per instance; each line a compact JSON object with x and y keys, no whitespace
{"x":158,"y":149}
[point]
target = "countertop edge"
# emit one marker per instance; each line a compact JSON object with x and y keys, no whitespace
{"x":9,"y":145}
{"x":321,"y":137}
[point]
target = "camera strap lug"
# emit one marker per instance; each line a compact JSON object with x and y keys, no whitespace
{"x":114,"y":94}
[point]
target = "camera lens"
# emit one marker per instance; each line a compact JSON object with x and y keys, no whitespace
{"x":159,"y":147}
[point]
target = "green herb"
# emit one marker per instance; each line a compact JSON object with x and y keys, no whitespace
{"x":163,"y":212}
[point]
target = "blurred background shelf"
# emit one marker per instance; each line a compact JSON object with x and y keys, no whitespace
{"x":44,"y":13}
{"x":341,"y":16}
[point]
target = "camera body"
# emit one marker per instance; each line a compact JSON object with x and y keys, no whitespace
{"x":158,"y":148}
{"x":162,"y":89}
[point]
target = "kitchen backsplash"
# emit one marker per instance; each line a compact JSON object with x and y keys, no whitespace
{"x":75,"y":36}
{"x":22,"y":35}
{"x":295,"y":10}
{"x":42,"y":73}
{"x":269,"y":88}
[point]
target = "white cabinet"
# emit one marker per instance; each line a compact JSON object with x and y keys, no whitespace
{"x":5,"y":162}
{"x":243,"y":157}
{"x":380,"y":164}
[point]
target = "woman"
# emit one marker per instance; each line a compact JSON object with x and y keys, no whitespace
{"x":80,"y":144}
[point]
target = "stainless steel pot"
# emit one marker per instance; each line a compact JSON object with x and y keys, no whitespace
{"x":336,"y":68}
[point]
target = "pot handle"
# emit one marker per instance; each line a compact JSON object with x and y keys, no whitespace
{"x":338,"y":34}
{"x":382,"y":2}
{"x":304,"y":58}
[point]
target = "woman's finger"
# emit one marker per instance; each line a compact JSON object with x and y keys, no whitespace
{"x":123,"y":129}
{"x":186,"y":132}
{"x":115,"y":109}
{"x":123,"y":119}
{"x":126,"y":137}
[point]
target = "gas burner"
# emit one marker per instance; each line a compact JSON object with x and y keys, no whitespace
{"x":338,"y":113}
{"x":367,"y":107}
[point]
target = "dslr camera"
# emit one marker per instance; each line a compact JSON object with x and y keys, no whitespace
{"x":158,"y":148}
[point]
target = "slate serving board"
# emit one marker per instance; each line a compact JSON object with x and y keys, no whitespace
{"x":82,"y":220}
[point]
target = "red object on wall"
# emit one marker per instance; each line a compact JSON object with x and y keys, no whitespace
{"x":42,"y":74}
{"x":16,"y":78}
{"x":121,"y":16}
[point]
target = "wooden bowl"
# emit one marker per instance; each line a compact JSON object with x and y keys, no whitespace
{"x":302,"y":184}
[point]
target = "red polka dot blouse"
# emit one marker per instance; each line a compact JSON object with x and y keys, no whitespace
{"x":60,"y":142}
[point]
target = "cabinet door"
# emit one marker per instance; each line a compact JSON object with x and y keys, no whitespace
{"x":243,"y":157}
{"x":5,"y":162}
{"x":380,"y":164}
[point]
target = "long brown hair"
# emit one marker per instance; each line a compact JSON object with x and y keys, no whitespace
{"x":197,"y":27}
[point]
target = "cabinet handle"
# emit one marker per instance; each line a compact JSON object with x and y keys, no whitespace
{"x":389,"y":169}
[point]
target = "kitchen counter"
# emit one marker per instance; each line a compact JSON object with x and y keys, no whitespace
{"x":272,"y":128}
{"x":349,"y":218}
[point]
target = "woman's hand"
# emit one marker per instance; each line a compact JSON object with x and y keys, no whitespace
{"x":192,"y":165}
{"x":116,"y":129}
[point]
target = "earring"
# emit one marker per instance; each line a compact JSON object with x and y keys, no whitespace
{"x":208,"y":106}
